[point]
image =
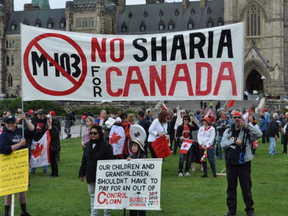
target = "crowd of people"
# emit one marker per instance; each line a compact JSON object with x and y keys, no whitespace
{"x":232,"y":135}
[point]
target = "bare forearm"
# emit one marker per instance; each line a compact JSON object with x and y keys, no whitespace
{"x":30,"y":126}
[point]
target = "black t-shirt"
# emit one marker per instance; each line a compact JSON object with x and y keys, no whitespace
{"x":232,"y":155}
{"x":144,"y":124}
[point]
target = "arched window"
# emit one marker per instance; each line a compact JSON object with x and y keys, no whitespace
{"x":254,"y":21}
{"x":161,"y":13}
{"x":50,"y":23}
{"x":10,"y":81}
{"x":161,"y":26}
{"x":210,"y":23}
{"x":124,"y":27}
{"x":13,"y":44}
{"x":10,"y":44}
{"x":142,"y":26}
{"x":91,"y":22}
{"x":130,"y":15}
{"x":171,"y":25}
{"x":145,"y":14}
{"x":7,"y":60}
{"x":190,"y":24}
{"x":12,"y":60}
{"x":193,"y":11}
{"x":220,"y":22}
{"x":7,"y":43}
{"x":176,"y":12}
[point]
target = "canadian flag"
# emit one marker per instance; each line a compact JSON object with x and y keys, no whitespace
{"x":117,"y":139}
{"x":186,"y":145}
{"x":40,"y":155}
{"x":245,"y":116}
{"x":164,"y":107}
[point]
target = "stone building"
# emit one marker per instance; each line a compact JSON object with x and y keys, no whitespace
{"x":266,"y":31}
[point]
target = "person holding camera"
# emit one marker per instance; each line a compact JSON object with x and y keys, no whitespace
{"x":237,"y":143}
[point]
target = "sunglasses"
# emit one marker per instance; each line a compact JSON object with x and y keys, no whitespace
{"x":124,"y":118}
{"x":186,"y":119}
{"x":237,"y":117}
{"x":10,"y":122}
{"x":94,"y":133}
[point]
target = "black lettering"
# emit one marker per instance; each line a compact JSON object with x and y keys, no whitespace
{"x":96,"y":81}
{"x":210,"y":44}
{"x":94,"y":69}
{"x":56,"y":59}
{"x":77,"y":72}
{"x":178,"y":39}
{"x":162,"y":48}
{"x":225,"y":34}
{"x":65,"y":61}
{"x":142,"y":48}
{"x":198,"y":46}
{"x":97,"y":91}
{"x":39,"y":61}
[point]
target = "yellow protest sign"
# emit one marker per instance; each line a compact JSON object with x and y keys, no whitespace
{"x":14,"y":172}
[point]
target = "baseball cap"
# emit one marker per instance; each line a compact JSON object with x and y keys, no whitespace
{"x":10,"y":118}
{"x":52,"y":112}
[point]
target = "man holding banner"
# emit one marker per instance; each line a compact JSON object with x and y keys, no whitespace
{"x":11,"y":140}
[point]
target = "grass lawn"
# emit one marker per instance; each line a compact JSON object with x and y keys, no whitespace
{"x":183,"y":196}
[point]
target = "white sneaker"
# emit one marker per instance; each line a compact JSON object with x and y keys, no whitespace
{"x":187,"y":174}
{"x":180,"y":174}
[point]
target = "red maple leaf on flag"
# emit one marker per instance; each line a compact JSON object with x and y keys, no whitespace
{"x":185,"y":146}
{"x":114,"y":138}
{"x":38,"y":150}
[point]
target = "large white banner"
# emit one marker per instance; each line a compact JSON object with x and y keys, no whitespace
{"x":190,"y":65}
{"x":126,"y":184}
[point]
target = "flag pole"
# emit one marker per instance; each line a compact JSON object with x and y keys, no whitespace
{"x":12,"y":204}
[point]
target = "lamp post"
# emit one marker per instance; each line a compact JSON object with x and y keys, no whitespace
{"x":263,"y":78}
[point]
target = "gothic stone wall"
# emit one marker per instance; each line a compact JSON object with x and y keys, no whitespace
{"x":271,"y":41}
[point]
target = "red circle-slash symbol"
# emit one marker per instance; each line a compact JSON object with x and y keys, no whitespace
{"x":76,"y":84}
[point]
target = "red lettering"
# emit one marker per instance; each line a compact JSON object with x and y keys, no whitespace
{"x":186,"y":78}
{"x":121,"y":49}
{"x":199,"y":67}
{"x":154,"y":77}
{"x":95,"y":46}
{"x":130,"y":81}
{"x":104,"y":200}
{"x":230,"y":77}
{"x":108,"y":81}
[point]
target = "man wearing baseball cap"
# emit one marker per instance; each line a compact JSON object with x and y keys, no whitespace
{"x":237,"y":143}
{"x":11,"y":140}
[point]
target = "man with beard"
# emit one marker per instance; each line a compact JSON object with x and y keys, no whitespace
{"x":237,"y":143}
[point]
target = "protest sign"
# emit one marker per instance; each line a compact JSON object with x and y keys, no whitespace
{"x":161,"y":147}
{"x":189,"y":65}
{"x":14,"y":172}
{"x":123,"y":184}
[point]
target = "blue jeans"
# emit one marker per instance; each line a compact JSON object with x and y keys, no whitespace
{"x":211,"y":159}
{"x":219,"y":147}
{"x":272,"y":147}
{"x":45,"y":169}
{"x":188,"y":161}
{"x":91,"y":191}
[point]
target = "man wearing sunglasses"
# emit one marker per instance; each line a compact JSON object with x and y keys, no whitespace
{"x":237,"y":143}
{"x":11,"y":140}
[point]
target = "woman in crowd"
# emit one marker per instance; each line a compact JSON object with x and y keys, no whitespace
{"x":126,"y":126}
{"x":96,"y":149}
{"x":184,"y":131}
{"x":195,"y":158}
{"x":263,"y":127}
{"x":11,"y":140}
{"x":131,"y":118}
{"x":54,"y":145}
{"x":206,"y":136}
{"x":86,"y":136}
{"x":157,"y":128}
